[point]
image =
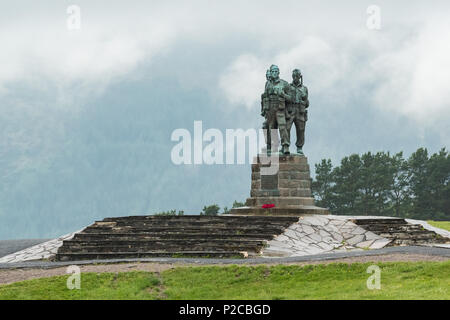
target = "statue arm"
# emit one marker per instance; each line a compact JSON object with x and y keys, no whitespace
{"x":287,"y":92}
{"x":306,"y":98}
{"x":263,"y":111}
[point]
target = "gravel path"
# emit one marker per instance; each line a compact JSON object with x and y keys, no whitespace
{"x":48,"y":269}
{"x":10,"y":276}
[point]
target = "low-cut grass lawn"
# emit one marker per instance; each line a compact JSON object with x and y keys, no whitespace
{"x":440,"y":224}
{"x":109,"y":286}
{"x":402,"y":280}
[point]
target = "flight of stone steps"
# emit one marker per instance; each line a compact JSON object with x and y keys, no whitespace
{"x":400,"y":231}
{"x":174,"y":236}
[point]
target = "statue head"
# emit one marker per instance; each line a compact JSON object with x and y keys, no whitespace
{"x":268,"y":78}
{"x":274,"y":72}
{"x":297,"y":76}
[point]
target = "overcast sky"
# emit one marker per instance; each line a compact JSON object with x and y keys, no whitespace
{"x":370,"y":90}
{"x":400,"y":70}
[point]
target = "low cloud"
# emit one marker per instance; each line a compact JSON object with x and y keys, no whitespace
{"x":414,"y":79}
{"x":399,"y":70}
{"x":403,"y":72}
{"x":91,"y":58}
{"x":243,"y":81}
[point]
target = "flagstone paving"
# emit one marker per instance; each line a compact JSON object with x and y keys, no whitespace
{"x":42,"y":251}
{"x":318,"y":234}
{"x":311,"y":235}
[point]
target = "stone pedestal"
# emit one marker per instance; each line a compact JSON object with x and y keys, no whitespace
{"x":284,"y":181}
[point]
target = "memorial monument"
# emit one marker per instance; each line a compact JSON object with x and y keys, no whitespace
{"x":268,"y":225}
{"x":281,"y":182}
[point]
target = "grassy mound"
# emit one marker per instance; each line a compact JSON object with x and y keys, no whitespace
{"x":400,"y":280}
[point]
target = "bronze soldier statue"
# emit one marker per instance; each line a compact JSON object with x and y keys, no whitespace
{"x":274,"y":99}
{"x":264,"y":113}
{"x":297,"y":112}
{"x":265,"y":99}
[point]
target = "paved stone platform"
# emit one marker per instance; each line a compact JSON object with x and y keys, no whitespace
{"x":316,"y":234}
{"x":41,"y":251}
{"x":11,"y":246}
{"x":311,"y":235}
{"x":320,"y":234}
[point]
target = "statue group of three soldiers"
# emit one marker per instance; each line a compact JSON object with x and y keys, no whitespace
{"x":282,"y":105}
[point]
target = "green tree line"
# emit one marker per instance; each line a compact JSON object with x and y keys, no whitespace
{"x":384,"y":184}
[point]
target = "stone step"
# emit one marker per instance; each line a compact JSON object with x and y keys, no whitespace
{"x":164,"y":242}
{"x":151,"y":236}
{"x":192,"y":218}
{"x":194,"y":224}
{"x":391,"y":227}
{"x":410,"y":235}
{"x":232,"y":221}
{"x":160,"y":247}
{"x":171,"y":235}
{"x":149,"y":254}
{"x":281,"y":202}
{"x":199,"y":226}
{"x":379,"y":221}
{"x":186,"y":230}
{"x":400,"y":231}
{"x":119,"y":249}
{"x":411,"y":242}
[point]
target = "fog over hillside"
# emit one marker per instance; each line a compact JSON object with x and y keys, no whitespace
{"x":86,"y":116}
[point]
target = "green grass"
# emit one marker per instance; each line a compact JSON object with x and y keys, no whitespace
{"x":440,"y":224}
{"x":108,"y":286}
{"x":402,"y":280}
{"x":335,"y":281}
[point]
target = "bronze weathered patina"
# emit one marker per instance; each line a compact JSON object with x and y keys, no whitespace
{"x":282,"y":105}
{"x":276,"y":93}
{"x":281,"y":184}
{"x":296,"y":111}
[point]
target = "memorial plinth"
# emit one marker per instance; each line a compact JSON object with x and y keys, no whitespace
{"x":284,"y":182}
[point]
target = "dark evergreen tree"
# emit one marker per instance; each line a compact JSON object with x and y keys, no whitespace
{"x":399,"y":191}
{"x":323,"y":184}
{"x":346,"y":195}
{"x":381,"y":184}
{"x":438,"y":189}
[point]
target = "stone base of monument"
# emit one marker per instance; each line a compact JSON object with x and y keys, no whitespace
{"x":302,"y":210}
{"x":174,"y":236}
{"x":232,"y":236}
{"x":227,"y":236}
{"x":281,"y":181}
{"x":294,"y":226}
